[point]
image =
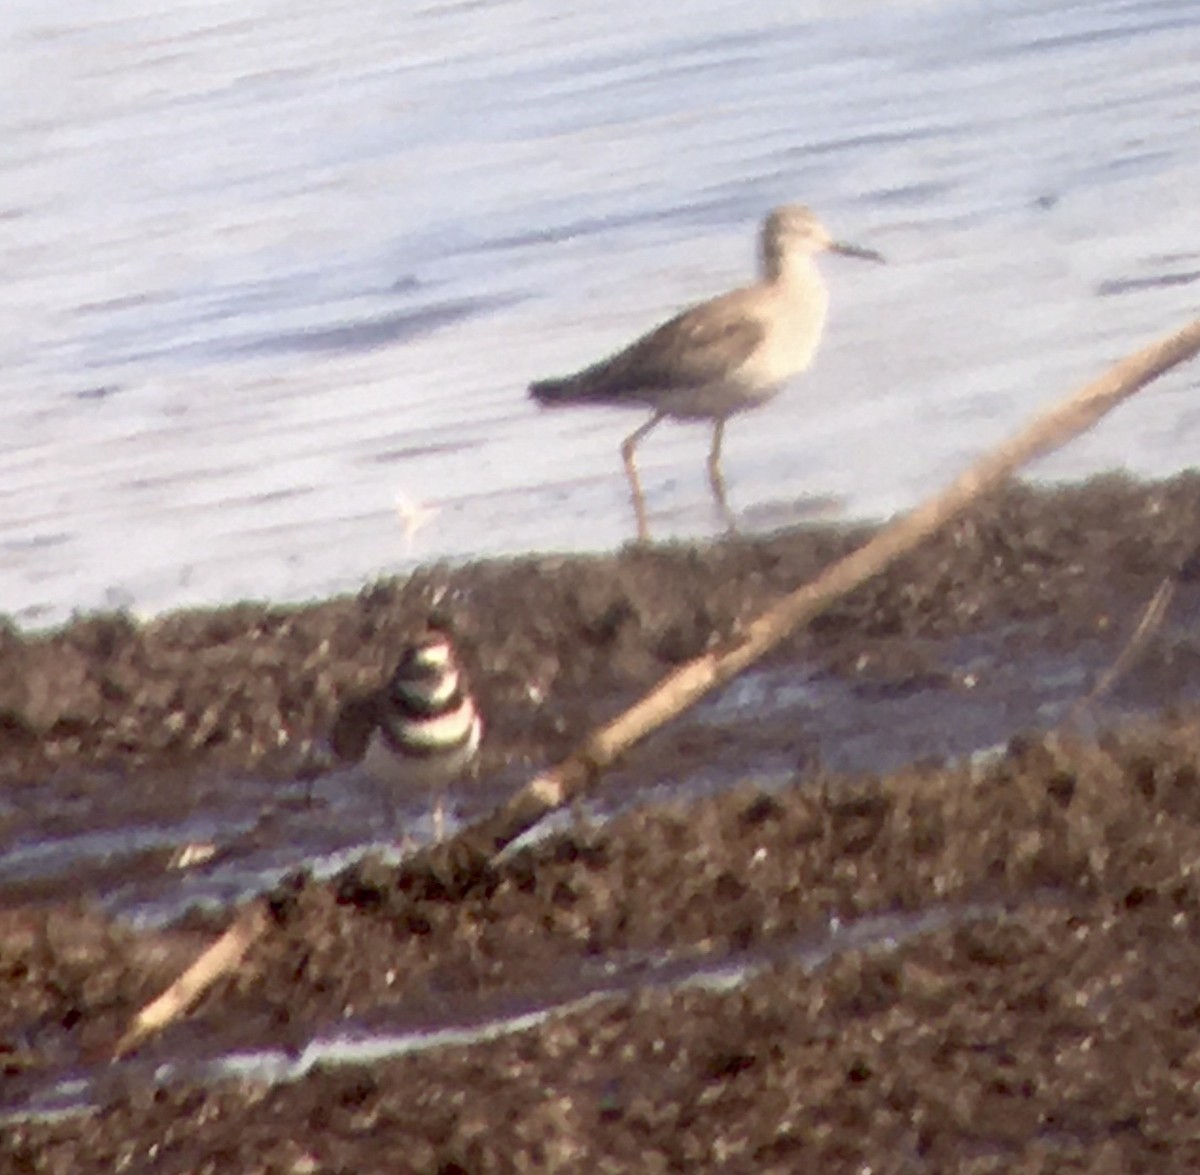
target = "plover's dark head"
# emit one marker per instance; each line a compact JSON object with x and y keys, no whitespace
{"x":794,"y":230}
{"x":427,"y":673}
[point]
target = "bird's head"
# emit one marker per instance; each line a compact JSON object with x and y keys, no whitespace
{"x":794,"y":231}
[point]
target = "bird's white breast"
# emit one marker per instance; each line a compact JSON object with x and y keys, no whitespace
{"x":795,"y":321}
{"x":387,"y":765}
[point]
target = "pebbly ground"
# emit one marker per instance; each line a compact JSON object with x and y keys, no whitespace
{"x":977,"y":962}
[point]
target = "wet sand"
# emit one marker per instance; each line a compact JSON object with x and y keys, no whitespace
{"x":972,"y":962}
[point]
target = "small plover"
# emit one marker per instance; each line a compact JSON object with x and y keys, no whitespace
{"x":427,"y":726}
{"x":720,"y":357}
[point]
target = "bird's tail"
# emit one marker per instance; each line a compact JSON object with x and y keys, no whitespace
{"x":552,"y":392}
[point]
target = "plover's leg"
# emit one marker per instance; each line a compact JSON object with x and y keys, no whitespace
{"x":716,"y":478}
{"x":399,"y":834}
{"x":391,"y":812}
{"x":635,"y":486}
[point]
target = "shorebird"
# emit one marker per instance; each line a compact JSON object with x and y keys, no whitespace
{"x":427,"y":726}
{"x":720,"y":357}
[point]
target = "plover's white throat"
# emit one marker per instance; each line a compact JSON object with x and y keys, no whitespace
{"x":428,"y":728}
{"x":720,"y":357}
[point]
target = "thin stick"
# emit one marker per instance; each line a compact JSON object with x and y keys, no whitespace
{"x":223,"y":956}
{"x":688,"y":684}
{"x":1152,"y":617}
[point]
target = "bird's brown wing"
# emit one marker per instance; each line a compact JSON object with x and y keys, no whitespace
{"x":700,"y":346}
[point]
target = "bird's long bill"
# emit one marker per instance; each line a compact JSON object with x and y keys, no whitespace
{"x":856,"y":251}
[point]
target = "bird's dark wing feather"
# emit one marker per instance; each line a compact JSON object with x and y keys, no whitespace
{"x":699,"y":346}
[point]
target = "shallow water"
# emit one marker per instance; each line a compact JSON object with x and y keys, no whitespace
{"x":124,"y":845}
{"x":268,"y":271}
{"x":477,"y":1020}
{"x":474,"y":1020}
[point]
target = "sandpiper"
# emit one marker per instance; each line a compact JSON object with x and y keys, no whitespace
{"x":427,"y":726}
{"x":720,"y":357}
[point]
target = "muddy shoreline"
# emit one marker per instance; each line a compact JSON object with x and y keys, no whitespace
{"x":1024,"y":913}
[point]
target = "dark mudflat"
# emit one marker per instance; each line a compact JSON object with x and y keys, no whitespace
{"x":771,"y":954}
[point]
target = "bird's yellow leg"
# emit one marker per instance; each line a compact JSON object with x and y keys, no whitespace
{"x":628,"y":445}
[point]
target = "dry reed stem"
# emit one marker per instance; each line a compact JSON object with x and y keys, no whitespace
{"x":691,"y":682}
{"x":222,"y":957}
{"x":1147,"y":626}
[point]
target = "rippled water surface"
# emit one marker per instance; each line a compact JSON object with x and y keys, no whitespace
{"x":274,"y":275}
